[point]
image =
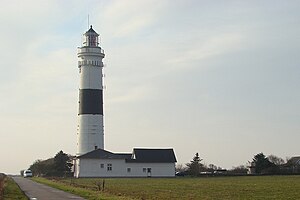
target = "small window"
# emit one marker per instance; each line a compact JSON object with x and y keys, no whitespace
{"x":144,"y":169}
{"x":101,"y":165}
{"x":109,"y":167}
{"x":128,"y":170}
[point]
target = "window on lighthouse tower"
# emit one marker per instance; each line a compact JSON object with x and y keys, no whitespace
{"x":92,"y":41}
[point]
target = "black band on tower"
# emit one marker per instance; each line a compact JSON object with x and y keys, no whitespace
{"x":90,"y":101}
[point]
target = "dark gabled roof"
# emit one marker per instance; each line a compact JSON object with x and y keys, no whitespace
{"x":152,"y":156}
{"x":103,"y":154}
{"x":138,"y":156}
{"x":293,"y":161}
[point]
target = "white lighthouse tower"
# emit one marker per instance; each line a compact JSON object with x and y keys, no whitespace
{"x":90,"y":135}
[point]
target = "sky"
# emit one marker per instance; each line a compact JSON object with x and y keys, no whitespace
{"x":220,"y":78}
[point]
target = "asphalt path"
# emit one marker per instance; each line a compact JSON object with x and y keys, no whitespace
{"x":37,"y":191}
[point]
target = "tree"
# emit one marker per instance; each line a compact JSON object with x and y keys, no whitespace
{"x":261,"y":163}
{"x":180,"y":168}
{"x":276,"y":160}
{"x":62,"y":164}
{"x":43,"y":167}
{"x":242,"y":169}
{"x":194,"y":166}
{"x":212,"y":168}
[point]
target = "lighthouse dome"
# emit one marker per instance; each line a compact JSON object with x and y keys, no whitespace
{"x":90,"y":38}
{"x":91,"y":31}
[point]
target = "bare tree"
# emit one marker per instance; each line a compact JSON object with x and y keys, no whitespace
{"x":180,"y":168}
{"x":276,"y":160}
{"x":212,"y":168}
{"x":242,"y":169}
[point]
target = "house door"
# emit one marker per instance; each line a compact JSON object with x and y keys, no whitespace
{"x":148,"y":172}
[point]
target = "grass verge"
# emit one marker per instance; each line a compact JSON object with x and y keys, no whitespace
{"x":11,"y":191}
{"x":83,"y":191}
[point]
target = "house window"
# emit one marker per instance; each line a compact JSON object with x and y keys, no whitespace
{"x":109,"y":167}
{"x":128,"y":170}
{"x":101,"y":165}
{"x":144,"y":170}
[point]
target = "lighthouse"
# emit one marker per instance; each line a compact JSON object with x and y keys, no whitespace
{"x":90,"y":132}
{"x":92,"y":160}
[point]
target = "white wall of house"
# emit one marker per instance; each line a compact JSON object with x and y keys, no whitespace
{"x":119,"y":168}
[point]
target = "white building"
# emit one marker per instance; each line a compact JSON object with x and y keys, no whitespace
{"x":140,"y":163}
{"x":92,"y":160}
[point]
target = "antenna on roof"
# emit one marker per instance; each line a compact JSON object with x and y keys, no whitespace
{"x":88,"y":21}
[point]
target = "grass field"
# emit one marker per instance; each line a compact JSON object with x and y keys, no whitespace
{"x":254,"y":187}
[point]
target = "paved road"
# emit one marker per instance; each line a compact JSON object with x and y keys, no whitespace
{"x":37,"y":191}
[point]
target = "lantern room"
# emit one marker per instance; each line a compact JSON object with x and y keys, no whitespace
{"x":90,"y":38}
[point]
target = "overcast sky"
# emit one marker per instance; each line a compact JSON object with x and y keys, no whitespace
{"x":220,"y":78}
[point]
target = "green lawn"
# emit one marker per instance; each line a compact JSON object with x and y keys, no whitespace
{"x":246,"y":187}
